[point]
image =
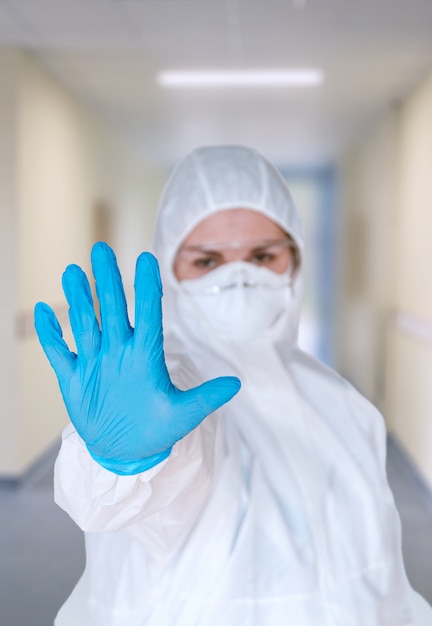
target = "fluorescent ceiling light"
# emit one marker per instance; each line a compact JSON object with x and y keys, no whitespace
{"x":237,"y":78}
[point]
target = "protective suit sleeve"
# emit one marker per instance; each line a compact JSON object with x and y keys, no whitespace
{"x":101,"y":501}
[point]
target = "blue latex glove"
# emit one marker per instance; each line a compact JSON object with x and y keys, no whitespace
{"x":117,"y":389}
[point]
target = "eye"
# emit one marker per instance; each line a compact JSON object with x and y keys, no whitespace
{"x":206,"y":263}
{"x":262,"y":258}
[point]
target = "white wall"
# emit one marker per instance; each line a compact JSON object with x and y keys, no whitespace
{"x":385,"y":319}
{"x":57,"y":164}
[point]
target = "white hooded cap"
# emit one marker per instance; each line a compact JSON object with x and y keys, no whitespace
{"x":214,"y":178}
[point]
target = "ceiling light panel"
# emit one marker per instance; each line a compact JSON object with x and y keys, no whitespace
{"x":240,"y":79}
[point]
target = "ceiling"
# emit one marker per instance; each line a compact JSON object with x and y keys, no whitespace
{"x":373,"y":52}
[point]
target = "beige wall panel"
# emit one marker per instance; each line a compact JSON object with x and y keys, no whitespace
{"x":40,"y":405}
{"x":54,"y":187}
{"x":410,"y":401}
{"x":58,"y":164}
{"x":386,"y":270}
{"x":367,"y":228}
{"x":414,"y":258}
{"x":53,"y":206}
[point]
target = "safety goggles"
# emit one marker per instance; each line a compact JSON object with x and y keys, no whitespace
{"x":271,"y":253}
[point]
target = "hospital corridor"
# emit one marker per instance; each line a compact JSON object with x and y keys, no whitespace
{"x":274,"y":154}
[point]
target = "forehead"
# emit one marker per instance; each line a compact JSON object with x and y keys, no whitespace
{"x":233,"y":225}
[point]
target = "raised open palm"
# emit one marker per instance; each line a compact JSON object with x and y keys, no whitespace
{"x":117,"y":389}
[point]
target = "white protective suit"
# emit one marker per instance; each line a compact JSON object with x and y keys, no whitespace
{"x":276,"y":510}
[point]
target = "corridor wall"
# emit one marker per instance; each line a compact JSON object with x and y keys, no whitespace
{"x":59,"y":164}
{"x":385,"y":312}
{"x":367,"y":231}
{"x":8,"y":266}
{"x":409,"y":355}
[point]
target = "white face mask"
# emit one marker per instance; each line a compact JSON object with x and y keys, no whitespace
{"x":239,"y":300}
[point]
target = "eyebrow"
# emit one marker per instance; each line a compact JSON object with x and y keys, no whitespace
{"x":202,"y":248}
{"x":269,"y":244}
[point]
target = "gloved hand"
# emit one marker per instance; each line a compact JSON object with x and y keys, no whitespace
{"x":117,"y":389}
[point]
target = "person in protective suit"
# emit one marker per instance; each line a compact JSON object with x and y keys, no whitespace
{"x":204,"y":503}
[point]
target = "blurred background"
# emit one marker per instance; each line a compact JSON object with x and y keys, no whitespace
{"x":89,"y":133}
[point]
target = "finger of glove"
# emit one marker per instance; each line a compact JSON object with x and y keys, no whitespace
{"x":148,"y":307}
{"x":115,"y":324}
{"x":82,"y":315}
{"x":201,"y":401}
{"x":50,"y":336}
